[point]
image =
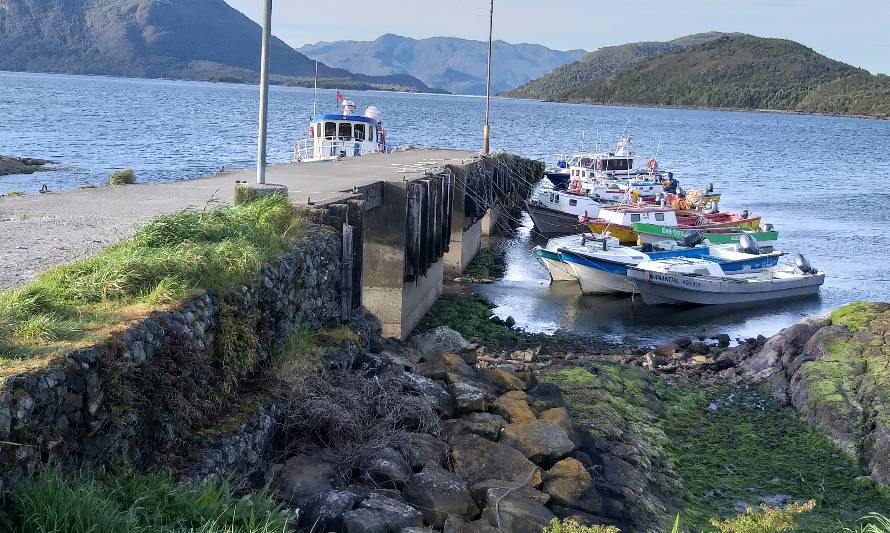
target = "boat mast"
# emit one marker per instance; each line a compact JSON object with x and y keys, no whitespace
{"x":486,"y":132}
{"x":315,"y":96}
{"x":264,"y":95}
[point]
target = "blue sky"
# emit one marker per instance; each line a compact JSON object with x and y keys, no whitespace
{"x":855,"y":31}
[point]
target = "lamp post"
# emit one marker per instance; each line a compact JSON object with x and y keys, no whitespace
{"x":264,"y":95}
{"x":486,"y":132}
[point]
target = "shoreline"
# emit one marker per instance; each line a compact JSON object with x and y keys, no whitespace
{"x":703,"y":108}
{"x":12,"y":165}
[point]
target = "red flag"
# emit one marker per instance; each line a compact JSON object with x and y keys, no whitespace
{"x":340,"y":97}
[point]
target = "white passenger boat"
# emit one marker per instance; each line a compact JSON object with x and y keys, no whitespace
{"x":600,"y":264}
{"x":701,"y":282}
{"x":333,"y":136}
{"x":549,"y":255}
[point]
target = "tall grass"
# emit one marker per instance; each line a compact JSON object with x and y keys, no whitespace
{"x":171,"y":257}
{"x":134,"y":503}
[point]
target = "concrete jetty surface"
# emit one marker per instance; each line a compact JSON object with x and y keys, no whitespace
{"x":40,"y":231}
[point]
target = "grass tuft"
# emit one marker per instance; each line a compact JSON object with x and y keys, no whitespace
{"x":173,"y":256}
{"x":137,"y":503}
{"x":122,"y":177}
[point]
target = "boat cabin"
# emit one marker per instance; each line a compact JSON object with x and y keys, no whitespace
{"x":628,"y":216}
{"x":332,"y":136}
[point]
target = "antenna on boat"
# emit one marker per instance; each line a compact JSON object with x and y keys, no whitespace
{"x":315,"y":97}
{"x":486,"y":131}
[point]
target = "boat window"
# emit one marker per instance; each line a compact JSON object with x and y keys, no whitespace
{"x":659,"y":217}
{"x":573,"y":202}
{"x":345,"y":130}
{"x":317,"y":129}
{"x":618,"y":164}
{"x":372,"y":134}
{"x":330,"y":129}
{"x":557,"y":197}
{"x":635,"y":217}
{"x":551,"y":197}
{"x":359,"y":132}
{"x":585,"y":162}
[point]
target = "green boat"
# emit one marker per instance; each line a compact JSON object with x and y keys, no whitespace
{"x":652,"y":233}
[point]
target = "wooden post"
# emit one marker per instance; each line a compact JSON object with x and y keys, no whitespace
{"x":347,"y":288}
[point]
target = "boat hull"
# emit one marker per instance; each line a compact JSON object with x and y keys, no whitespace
{"x":598,"y":277}
{"x":559,"y":271}
{"x":650,"y":233}
{"x":658,"y":288}
{"x":627,"y":236}
{"x":551,"y":223}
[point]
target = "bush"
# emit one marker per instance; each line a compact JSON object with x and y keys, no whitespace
{"x":122,"y":177}
{"x":571,"y":526}
{"x":766,"y":520}
{"x":873,"y":523}
{"x":137,"y":503}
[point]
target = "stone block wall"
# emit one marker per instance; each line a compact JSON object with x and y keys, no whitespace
{"x":140,"y":393}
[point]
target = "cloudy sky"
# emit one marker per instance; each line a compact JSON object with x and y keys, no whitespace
{"x":854,"y":31}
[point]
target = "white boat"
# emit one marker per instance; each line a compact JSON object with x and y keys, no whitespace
{"x":333,"y":136}
{"x":701,"y":282}
{"x":556,"y":212}
{"x":549,"y":255}
{"x":600,"y":264}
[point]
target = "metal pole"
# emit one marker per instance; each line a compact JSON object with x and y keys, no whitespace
{"x":486,"y":133}
{"x":264,"y":95}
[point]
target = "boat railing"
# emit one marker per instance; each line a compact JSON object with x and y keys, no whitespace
{"x":310,"y":149}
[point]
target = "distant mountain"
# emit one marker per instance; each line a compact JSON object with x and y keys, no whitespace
{"x":732,"y":71}
{"x":189,"y":39}
{"x":455,"y":65}
{"x":602,"y":62}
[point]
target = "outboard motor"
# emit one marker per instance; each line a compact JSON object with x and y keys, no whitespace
{"x":803,"y":265}
{"x":647,"y":247}
{"x":748,"y":244}
{"x":745,"y":214}
{"x":769,"y":227}
{"x":681,"y":192}
{"x":659,"y":198}
{"x":693,"y":239}
{"x":710,"y":188}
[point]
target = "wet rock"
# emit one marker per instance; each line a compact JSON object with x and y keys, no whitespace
{"x":478,"y":459}
{"x":518,"y":515}
{"x":784,"y":345}
{"x":722,"y":339}
{"x":302,"y":477}
{"x":423,"y":449}
{"x":506,"y":380}
{"x":514,"y":407}
{"x":381,"y":514}
{"x":682,"y":342}
{"x":387,"y":468}
{"x":440,"y":340}
{"x":510,"y":322}
{"x":667,"y":350}
{"x":439,"y":493}
{"x":324,"y":511}
{"x":431,"y":391}
{"x":566,"y":481}
{"x":486,"y":418}
{"x":467,"y":398}
{"x":700,"y":348}
{"x":560,"y":416}
{"x":541,"y":441}
{"x":456,"y":427}
{"x":456,"y":524}
{"x":487,"y":492}
{"x":445,"y":367}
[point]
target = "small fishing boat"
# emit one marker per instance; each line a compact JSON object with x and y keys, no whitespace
{"x":335,"y":136}
{"x":602,"y":268}
{"x":558,"y":212}
{"x":619,"y":221}
{"x":653,"y":233}
{"x":549,"y":255}
{"x":697,"y":281}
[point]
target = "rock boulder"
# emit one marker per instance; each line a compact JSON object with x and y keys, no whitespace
{"x":478,"y":459}
{"x":543,"y":442}
{"x":439,"y":493}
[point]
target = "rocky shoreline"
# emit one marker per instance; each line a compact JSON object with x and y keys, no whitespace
{"x":21,"y":165}
{"x":510,"y":434}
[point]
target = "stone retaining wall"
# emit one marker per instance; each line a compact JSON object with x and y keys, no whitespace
{"x":140,"y":393}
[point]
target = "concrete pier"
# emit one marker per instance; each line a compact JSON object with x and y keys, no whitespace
{"x":414,"y":216}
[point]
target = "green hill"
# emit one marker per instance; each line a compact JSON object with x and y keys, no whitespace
{"x":735,"y":71}
{"x":602,"y":62}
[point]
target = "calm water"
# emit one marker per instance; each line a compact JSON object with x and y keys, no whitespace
{"x":822,"y":181}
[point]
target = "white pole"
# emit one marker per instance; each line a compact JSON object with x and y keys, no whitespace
{"x":315,"y":97}
{"x":486,"y":133}
{"x":264,"y":95}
